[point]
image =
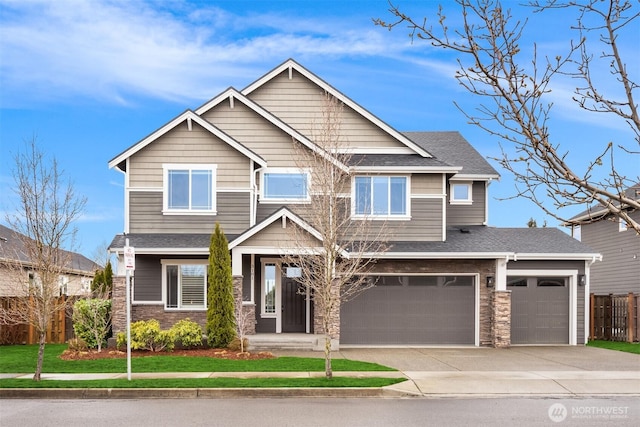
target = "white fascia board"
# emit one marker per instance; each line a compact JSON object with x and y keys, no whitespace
{"x":291,"y":64}
{"x":175,"y":122}
{"x":551,"y":256}
{"x":231,"y":92}
{"x":165,"y":251}
{"x":474,"y":177}
{"x":439,"y":255}
{"x":406,"y":169}
{"x":284,"y":212}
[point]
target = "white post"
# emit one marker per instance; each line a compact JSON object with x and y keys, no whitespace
{"x":128,"y":303}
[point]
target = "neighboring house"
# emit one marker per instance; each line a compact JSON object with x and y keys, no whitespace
{"x":447,"y":279}
{"x":619,"y":271}
{"x":16,"y":274}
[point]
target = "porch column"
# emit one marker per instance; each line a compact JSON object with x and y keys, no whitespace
{"x":501,"y":319}
{"x":118,"y":308}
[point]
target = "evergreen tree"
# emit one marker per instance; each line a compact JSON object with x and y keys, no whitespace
{"x":221,"y":324}
{"x":102,"y":282}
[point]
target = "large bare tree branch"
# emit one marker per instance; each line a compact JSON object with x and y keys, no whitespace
{"x":516,"y":109}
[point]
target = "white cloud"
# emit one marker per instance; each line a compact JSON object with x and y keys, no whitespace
{"x":118,"y":49}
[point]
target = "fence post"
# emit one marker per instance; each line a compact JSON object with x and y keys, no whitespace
{"x":630,"y":322}
{"x":592,"y":316}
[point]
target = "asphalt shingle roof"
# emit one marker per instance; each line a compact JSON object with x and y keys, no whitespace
{"x":12,"y":248}
{"x":452,"y":149}
{"x":381,"y":160}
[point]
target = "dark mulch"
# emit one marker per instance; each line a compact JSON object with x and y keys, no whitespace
{"x":110,"y":353}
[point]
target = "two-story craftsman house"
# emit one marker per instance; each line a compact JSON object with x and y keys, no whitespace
{"x":447,"y":277}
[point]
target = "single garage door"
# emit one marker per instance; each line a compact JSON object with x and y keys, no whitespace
{"x":411,"y":310}
{"x":539,"y":310}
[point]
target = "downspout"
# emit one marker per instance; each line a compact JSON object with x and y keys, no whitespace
{"x":254,"y":196}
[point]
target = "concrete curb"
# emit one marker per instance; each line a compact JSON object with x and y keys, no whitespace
{"x":194,"y":393}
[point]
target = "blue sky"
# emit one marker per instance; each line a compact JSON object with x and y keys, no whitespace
{"x":91,"y":78}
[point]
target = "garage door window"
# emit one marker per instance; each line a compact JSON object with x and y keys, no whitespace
{"x":551,"y":282}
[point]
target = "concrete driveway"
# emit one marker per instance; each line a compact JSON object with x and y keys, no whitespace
{"x":529,"y":358}
{"x":559,"y":371}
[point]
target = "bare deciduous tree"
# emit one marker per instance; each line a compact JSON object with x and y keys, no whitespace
{"x":518,"y":110}
{"x":334,"y":271}
{"x":47,"y":207}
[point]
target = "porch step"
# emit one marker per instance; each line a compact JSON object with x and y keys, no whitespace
{"x":269,"y":342}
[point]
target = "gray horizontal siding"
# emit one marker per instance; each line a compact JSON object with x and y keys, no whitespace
{"x":473,"y":214}
{"x":147,"y":279}
{"x":619,"y":271}
{"x":145,"y":215}
{"x":299,"y":103}
{"x":425,"y":223}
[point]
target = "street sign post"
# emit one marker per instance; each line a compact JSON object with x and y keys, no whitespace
{"x":129,"y":265}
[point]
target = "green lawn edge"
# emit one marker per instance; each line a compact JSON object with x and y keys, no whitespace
{"x":627,"y":347}
{"x":335,"y":382}
{"x":22,"y":359}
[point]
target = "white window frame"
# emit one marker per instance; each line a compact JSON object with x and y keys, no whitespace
{"x":292,"y":171}
{"x":179,"y":262}
{"x":388,"y":216}
{"x":278,"y":278}
{"x":167,"y":167}
{"x":622,"y":225}
{"x":453,"y":200}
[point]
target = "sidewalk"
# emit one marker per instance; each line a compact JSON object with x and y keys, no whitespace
{"x":433,"y":372}
{"x":418,"y":384}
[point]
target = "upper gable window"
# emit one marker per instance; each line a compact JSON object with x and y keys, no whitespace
{"x":189,"y":188}
{"x":384,"y":196}
{"x":285,"y":185}
{"x":460,"y":193}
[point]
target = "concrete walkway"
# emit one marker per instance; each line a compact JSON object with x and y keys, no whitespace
{"x":433,"y":372}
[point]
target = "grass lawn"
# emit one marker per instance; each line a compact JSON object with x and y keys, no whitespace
{"x":22,"y":359}
{"x":204,"y":383}
{"x":614,"y":345}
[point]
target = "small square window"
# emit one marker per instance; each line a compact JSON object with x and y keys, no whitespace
{"x":460,"y":193}
{"x":622,"y":225}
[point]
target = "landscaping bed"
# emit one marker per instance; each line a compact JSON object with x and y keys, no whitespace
{"x":218,"y":353}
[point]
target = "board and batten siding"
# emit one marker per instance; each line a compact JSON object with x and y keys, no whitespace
{"x":145,"y":214}
{"x":197,"y":146}
{"x":473,"y":214}
{"x":619,"y":270}
{"x":147,"y":279}
{"x":299,"y":102}
{"x":254,"y":132}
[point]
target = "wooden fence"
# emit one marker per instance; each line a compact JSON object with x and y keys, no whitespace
{"x":615,"y":317}
{"x":59,"y":331}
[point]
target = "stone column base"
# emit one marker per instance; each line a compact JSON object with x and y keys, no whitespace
{"x":501,"y":319}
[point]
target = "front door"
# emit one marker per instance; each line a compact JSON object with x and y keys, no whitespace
{"x":293,"y":306}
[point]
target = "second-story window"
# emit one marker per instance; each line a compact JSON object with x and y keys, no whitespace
{"x":380,"y":196}
{"x":460,"y":193}
{"x":289,"y":185}
{"x":189,"y":188}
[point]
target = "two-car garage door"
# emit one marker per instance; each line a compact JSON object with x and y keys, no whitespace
{"x":412,"y":310}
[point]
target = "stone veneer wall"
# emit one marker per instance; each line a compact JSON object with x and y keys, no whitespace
{"x":501,"y":319}
{"x":168,"y":318}
{"x":334,"y":322}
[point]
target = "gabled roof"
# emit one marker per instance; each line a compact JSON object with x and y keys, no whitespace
{"x":597,"y":211}
{"x":188,"y":116}
{"x":12,"y":249}
{"x":452,"y":148}
{"x":290,"y":65}
{"x":233,"y":95}
{"x":277,"y":215}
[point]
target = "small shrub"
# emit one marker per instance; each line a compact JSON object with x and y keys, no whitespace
{"x":187,"y":332}
{"x":92,"y":320}
{"x":77,"y":344}
{"x":236,"y":345}
{"x":146,"y":335}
